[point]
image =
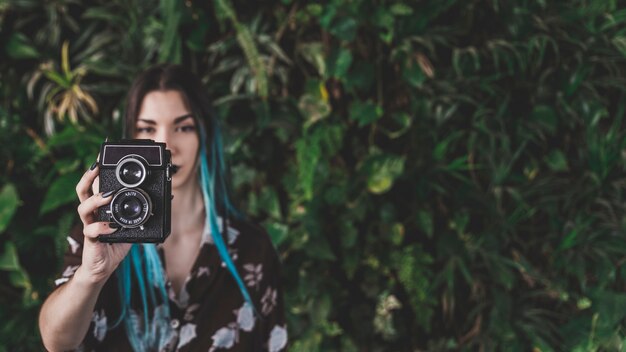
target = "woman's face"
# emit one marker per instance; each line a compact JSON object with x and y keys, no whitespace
{"x":164,"y":117}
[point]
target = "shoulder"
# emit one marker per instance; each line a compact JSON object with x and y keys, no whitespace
{"x":252,"y":239}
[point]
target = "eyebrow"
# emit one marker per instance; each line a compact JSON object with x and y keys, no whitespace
{"x":176,"y":120}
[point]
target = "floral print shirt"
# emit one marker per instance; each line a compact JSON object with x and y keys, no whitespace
{"x":209,"y":313}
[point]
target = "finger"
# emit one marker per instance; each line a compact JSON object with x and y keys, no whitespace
{"x":93,"y":230}
{"x":83,"y":187}
{"x":95,"y":186}
{"x":88,"y":207}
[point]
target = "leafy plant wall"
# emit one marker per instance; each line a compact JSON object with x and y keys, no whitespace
{"x":436,"y":174}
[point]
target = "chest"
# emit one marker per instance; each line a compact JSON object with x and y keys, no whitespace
{"x":180,"y":257}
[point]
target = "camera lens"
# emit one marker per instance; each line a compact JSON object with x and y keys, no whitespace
{"x":131,"y":207}
{"x":131,"y":171}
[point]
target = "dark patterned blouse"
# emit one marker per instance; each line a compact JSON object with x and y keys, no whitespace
{"x":209,"y":313}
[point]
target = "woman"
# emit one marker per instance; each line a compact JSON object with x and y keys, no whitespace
{"x":212,"y":285}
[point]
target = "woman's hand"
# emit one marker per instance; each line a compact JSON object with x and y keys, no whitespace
{"x":99,"y":259}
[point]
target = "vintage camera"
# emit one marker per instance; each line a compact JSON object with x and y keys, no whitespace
{"x":139,"y":172}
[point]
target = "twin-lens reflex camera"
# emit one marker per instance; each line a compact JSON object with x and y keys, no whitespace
{"x":139,"y":172}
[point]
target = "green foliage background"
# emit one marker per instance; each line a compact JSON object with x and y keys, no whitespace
{"x":436,"y":174}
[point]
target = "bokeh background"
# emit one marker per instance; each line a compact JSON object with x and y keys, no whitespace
{"x":437,"y":175}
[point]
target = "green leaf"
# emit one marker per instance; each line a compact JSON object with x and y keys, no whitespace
{"x":9,"y":201}
{"x":401,"y":9}
{"x":351,"y":262}
{"x":349,"y":235}
{"x":278,"y":232}
{"x":61,"y":192}
{"x":383,"y":171}
{"x":170,"y":49}
{"x":360,"y":76}
{"x":308,"y":153}
{"x":425,"y":221}
{"x":610,"y":305}
{"x":583,"y":303}
{"x":557,"y":161}
{"x":412,"y":73}
{"x":365,"y":112}
{"x":397,"y":234}
{"x":570,"y":240}
{"x":545,"y":116}
{"x":344,"y":28}
{"x":574,"y":81}
{"x":314,"y":54}
{"x":318,"y":248}
{"x":247,"y":44}
{"x":268,"y":201}
{"x":313,"y":107}
{"x":103,"y":14}
{"x":413,"y":269}
{"x":402,"y":122}
{"x":338,"y":63}
{"x":384,"y":19}
{"x":620,"y":44}
{"x":9,"y":260}
{"x":314,"y":9}
{"x":19,"y":47}
{"x":330,"y":139}
{"x":322,"y":308}
{"x":19,"y":278}
{"x":442,"y":147}
{"x":196,"y":40}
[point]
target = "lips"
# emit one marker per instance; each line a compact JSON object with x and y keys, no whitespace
{"x":175,"y":169}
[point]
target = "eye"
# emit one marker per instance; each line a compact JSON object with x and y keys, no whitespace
{"x":186,"y":128}
{"x":146,"y":130}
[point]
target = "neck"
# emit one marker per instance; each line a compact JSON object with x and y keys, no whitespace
{"x":187,"y":209}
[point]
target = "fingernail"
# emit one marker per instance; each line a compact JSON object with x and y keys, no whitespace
{"x":108,"y":194}
{"x":93,"y":166}
{"x":114,"y":225}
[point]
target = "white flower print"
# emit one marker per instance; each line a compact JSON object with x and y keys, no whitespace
{"x":67,"y":273}
{"x":245,"y":317}
{"x":162,"y":332}
{"x":190,"y":311}
{"x":278,"y":339}
{"x":268,"y":301}
{"x":187,"y":333}
{"x":254,"y":275}
{"x":136,"y":322}
{"x":233,"y":255}
{"x":203,"y":270}
{"x":73,"y":244}
{"x":232,"y":235}
{"x":70,"y":270}
{"x":231,"y":232}
{"x":100,"y":325}
{"x":224,"y":338}
{"x":183,"y":297}
{"x":182,"y":300}
{"x":62,"y":280}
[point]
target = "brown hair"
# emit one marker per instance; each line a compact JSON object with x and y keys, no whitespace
{"x":164,"y":77}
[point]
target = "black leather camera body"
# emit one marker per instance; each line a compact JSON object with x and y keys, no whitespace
{"x":139,"y":172}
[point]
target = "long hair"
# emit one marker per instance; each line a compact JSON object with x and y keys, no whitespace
{"x":143,"y":262}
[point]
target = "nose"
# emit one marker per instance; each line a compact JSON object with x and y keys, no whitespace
{"x":164,"y":136}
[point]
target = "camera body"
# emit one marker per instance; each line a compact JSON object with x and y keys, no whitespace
{"x":139,"y":172}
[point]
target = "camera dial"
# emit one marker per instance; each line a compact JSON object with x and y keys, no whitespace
{"x":131,"y":171}
{"x":131,"y":207}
